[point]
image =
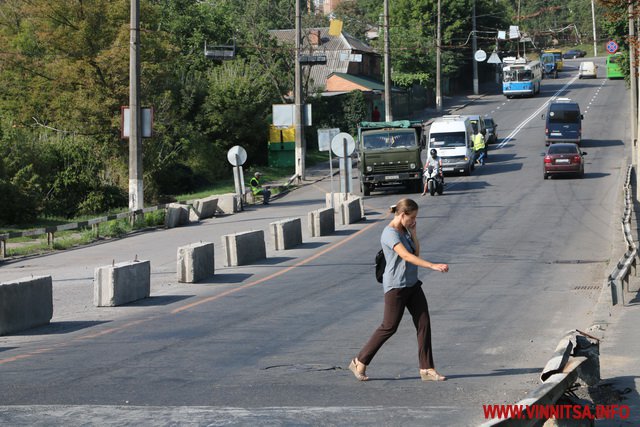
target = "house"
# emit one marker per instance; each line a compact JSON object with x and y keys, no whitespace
{"x":351,"y":65}
{"x":325,"y":6}
{"x":345,"y":54}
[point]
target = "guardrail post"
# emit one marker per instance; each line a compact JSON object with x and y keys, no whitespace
{"x":50,"y":237}
{"x":3,"y":248}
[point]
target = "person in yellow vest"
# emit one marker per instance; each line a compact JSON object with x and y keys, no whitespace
{"x":479,"y":146}
{"x":258,"y":189}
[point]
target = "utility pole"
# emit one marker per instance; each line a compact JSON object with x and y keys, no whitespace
{"x":388,"y":113}
{"x":593,"y":21}
{"x":633,"y":95}
{"x":474,"y":48}
{"x":136,"y":196}
{"x":633,"y":77}
{"x":297,"y":94}
{"x":438,"y":66}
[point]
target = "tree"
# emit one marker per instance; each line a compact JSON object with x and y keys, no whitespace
{"x":235,"y":113}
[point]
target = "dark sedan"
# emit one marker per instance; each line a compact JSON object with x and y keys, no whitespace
{"x":492,"y":130}
{"x":574,"y":53}
{"x":564,"y":158}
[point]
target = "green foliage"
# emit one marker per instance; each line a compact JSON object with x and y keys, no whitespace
{"x":354,"y":111}
{"x":115,"y":228}
{"x":235,"y":113}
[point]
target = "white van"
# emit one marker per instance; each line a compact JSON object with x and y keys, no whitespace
{"x":452,"y":136}
{"x":588,"y":69}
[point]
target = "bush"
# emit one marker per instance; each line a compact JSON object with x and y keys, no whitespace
{"x":103,"y":200}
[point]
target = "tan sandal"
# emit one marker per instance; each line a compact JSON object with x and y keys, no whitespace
{"x":359,"y":369}
{"x":431,"y":375}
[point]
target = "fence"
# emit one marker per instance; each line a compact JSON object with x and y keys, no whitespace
{"x":50,"y":231}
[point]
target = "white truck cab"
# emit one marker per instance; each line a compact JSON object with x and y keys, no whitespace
{"x":452,"y":136}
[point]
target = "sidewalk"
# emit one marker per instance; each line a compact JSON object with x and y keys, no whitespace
{"x":620,"y":364}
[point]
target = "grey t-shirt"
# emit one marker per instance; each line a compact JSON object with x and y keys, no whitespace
{"x":398,"y":273}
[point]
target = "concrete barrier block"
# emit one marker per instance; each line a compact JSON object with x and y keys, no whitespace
{"x":177,"y":215}
{"x":25,"y":303}
{"x":322,"y":222}
{"x":204,"y":208}
{"x":195,"y":262}
{"x":338,"y":199}
{"x":121,"y":283}
{"x":229,"y":203}
{"x":351,"y":211}
{"x":286,"y":234}
{"x":244,"y":248}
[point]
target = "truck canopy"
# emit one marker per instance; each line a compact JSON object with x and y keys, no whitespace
{"x":394,"y":124}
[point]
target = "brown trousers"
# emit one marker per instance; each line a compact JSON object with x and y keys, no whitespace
{"x":395,"y":302}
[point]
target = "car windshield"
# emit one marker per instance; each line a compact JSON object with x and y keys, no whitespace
{"x":389,"y":140}
{"x":564,"y":116}
{"x":563,"y":149}
{"x":488,"y":123}
{"x":448,"y":139}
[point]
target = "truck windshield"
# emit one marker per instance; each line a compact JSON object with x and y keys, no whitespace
{"x":448,"y":139}
{"x":389,"y":140}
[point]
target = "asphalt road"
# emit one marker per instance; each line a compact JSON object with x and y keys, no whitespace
{"x":269,"y":344}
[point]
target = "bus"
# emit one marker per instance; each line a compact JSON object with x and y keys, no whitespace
{"x":557,"y":54}
{"x":614,"y":66}
{"x":520,"y":77}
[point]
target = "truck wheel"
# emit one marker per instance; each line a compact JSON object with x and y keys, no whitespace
{"x":467,"y":171}
{"x":366,"y":191}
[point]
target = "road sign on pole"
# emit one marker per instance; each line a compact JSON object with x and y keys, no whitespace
{"x":612,"y":47}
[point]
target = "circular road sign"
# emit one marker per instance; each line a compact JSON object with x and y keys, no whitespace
{"x":480,"y":55}
{"x":238,"y":151}
{"x":612,"y":47}
{"x":337,"y":144}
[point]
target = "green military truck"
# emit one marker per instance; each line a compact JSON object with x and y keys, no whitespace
{"x":389,"y":153}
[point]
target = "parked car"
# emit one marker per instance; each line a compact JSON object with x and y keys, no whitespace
{"x":492,"y":130}
{"x":573,"y":54}
{"x":588,"y":69}
{"x":564,"y":158}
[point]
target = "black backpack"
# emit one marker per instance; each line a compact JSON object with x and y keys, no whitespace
{"x":381,"y":264}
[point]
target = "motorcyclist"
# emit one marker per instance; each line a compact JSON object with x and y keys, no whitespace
{"x":435,"y":162}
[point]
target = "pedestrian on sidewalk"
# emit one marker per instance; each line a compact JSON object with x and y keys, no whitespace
{"x":375,"y":115}
{"x":258,"y":189}
{"x":402,"y":289}
{"x":479,"y":146}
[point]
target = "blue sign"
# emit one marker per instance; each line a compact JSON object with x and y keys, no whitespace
{"x":612,"y":47}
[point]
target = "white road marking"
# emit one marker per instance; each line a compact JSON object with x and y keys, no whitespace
{"x":536,"y":113}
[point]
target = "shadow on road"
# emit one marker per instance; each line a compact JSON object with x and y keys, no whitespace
{"x":64,"y":327}
{"x":158,"y":300}
{"x":226,"y":278}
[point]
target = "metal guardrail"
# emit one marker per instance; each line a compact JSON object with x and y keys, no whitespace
{"x":50,"y":231}
{"x":619,"y":277}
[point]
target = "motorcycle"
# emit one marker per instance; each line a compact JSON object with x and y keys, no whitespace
{"x":435,"y":183}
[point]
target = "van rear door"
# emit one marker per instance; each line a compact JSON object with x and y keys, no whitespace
{"x":564,"y":123}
